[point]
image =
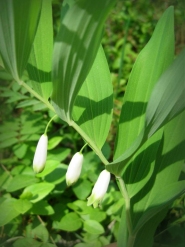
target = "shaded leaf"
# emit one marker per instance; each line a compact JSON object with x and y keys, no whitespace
{"x":18,"y":25}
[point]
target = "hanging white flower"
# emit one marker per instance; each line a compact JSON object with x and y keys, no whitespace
{"x":100,"y":189}
{"x":74,"y":169}
{"x":39,"y":160}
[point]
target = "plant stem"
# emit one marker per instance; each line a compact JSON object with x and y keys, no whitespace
{"x":46,"y":129}
{"x":125,"y":195}
{"x":90,"y":142}
{"x":30,"y":90}
{"x":83,"y":147}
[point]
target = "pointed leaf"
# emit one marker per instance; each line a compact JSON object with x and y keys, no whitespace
{"x":146,"y":71}
{"x":39,"y":64}
{"x":93,"y":105}
{"x":168,"y":97}
{"x":18,"y":25}
{"x":75,"y":49}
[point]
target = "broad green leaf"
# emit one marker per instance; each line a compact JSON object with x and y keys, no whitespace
{"x":93,"y":227}
{"x":41,"y":208}
{"x":93,"y":105}
{"x":70,"y":222}
{"x":75,"y":49}
{"x":163,"y":187}
{"x":7,"y":211}
{"x":141,"y":167}
{"x":39,"y":63}
{"x":18,"y":25}
{"x":38,"y":191}
{"x":167,"y":99}
{"x":20,"y":181}
{"x":22,"y":205}
{"x":150,"y":64}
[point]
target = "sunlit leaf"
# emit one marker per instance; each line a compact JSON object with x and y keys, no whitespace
{"x":39,"y":64}
{"x":75,"y":49}
{"x":93,"y":105}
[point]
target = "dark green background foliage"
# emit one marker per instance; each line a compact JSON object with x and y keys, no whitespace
{"x":59,"y":215}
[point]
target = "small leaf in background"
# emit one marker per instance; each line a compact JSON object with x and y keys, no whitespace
{"x":7,"y":211}
{"x":22,"y":205}
{"x":39,"y":231}
{"x":18,"y":25}
{"x":93,"y":227}
{"x":38,"y":191}
{"x":71,"y":222}
{"x":39,"y":63}
{"x":53,"y":142}
{"x":25,"y":242}
{"x":50,"y":166}
{"x":82,"y":189}
{"x":41,"y":208}
{"x":75,"y":49}
{"x":20,"y":150}
{"x":58,"y":175}
{"x":20,"y":181}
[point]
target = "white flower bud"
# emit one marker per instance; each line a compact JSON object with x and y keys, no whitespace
{"x":99,"y":190}
{"x":74,"y":169}
{"x":40,"y":154}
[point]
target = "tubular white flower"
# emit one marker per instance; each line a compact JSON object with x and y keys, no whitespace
{"x":100,"y":189}
{"x":74,"y":169}
{"x":40,"y":154}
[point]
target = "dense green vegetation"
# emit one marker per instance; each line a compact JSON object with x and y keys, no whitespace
{"x":60,"y":216}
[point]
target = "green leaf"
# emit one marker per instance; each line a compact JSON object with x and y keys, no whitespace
{"x":38,"y":191}
{"x":50,"y":166}
{"x":93,"y":106}
{"x":40,"y":232}
{"x":153,"y":60}
{"x":39,"y":64}
{"x":75,"y":49}
{"x":82,"y":189}
{"x":163,"y":187}
{"x":22,"y":205}
{"x":20,"y":181}
{"x":18,"y":25}
{"x":70,"y":222}
{"x":7,"y":211}
{"x":25,"y":242}
{"x":53,"y":142}
{"x":41,"y":208}
{"x":93,"y":227}
{"x":57,"y":176}
{"x":167,"y":99}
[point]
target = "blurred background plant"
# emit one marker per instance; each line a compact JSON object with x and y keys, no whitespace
{"x":60,"y":216}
